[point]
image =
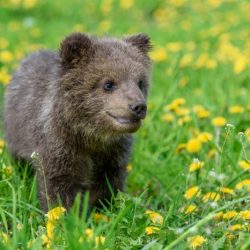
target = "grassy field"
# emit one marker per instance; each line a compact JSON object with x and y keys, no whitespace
{"x":188,"y":181}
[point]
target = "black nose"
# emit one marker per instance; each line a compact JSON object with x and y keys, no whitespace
{"x":139,"y":109}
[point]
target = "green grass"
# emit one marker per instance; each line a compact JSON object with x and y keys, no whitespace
{"x":216,"y":34}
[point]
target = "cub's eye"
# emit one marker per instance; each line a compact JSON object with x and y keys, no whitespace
{"x":140,"y":84}
{"x":108,"y":86}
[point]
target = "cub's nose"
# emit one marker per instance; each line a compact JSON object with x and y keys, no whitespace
{"x":139,"y":109}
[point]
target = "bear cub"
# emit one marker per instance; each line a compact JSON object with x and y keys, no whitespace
{"x":77,"y":109}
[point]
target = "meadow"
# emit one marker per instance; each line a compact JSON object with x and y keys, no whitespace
{"x":188,"y":184}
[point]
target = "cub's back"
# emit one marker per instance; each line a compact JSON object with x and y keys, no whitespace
{"x":24,"y":98}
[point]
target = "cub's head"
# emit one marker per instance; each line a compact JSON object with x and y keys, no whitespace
{"x":105,"y":82}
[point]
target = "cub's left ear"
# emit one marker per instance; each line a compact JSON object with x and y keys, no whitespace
{"x":141,"y":41}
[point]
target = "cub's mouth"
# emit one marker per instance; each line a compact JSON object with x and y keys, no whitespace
{"x":125,"y":120}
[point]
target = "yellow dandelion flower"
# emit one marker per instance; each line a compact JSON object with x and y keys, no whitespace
{"x":244,"y":165}
{"x":28,"y":4}
{"x":55,"y":213}
{"x":50,"y":229}
{"x":211,"y":196}
{"x":243,"y":184}
{"x":129,"y":168}
{"x":155,"y":217}
{"x":182,"y":111}
{"x":245,"y":215}
{"x":205,"y":137}
{"x":192,"y":192}
{"x":4,"y":76}
{"x":181,"y":147}
{"x":6,"y":56}
{"x":89,"y":233}
{"x":190,"y":209}
{"x":201,"y":112}
{"x":226,"y":190}
{"x":46,"y":241}
{"x":230,"y":215}
{"x":196,"y":241}
{"x":236,"y":109}
{"x":4,"y":237}
{"x":159,"y":54}
{"x":2,"y":143}
{"x":126,"y":4}
{"x":219,"y":121}
{"x":168,"y":117}
{"x":193,"y":145}
{"x":4,"y":43}
{"x":229,"y":236}
{"x":183,"y":120}
{"x":183,"y":82}
{"x":104,"y":25}
{"x":247,"y":134}
{"x":237,"y":227}
{"x":211,"y":153}
{"x":195,"y":165}
{"x":186,"y":60}
{"x":151,"y":230}
{"x":218,"y":216}
{"x":240,"y":64}
{"x":99,"y":240}
{"x":7,"y":171}
{"x":100,"y":217}
{"x":175,"y":46}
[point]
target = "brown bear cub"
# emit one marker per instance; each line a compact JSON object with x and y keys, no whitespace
{"x":77,"y":109}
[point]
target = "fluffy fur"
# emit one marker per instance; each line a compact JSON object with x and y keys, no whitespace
{"x":57,"y":106}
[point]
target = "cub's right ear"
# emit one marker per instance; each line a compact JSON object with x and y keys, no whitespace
{"x":74,"y":48}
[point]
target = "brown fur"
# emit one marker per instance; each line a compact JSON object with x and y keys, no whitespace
{"x":57,"y":106}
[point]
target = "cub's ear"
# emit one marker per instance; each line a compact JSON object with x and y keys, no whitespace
{"x":141,"y":41}
{"x":73,"y":48}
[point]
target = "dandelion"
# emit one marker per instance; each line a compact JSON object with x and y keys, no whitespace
{"x":205,"y":137}
{"x":182,"y":111}
{"x":50,"y":226}
{"x":196,"y":241}
{"x":192,"y":192}
{"x":126,"y":4}
{"x":236,"y":227}
{"x":98,"y":217}
{"x":240,"y":64}
{"x":183,"y":120}
{"x":211,"y":196}
{"x":190,"y":209}
{"x":193,"y":145}
{"x":229,"y":236}
{"x":156,"y":218}
{"x":243,"y":184}
{"x":151,"y":230}
{"x":181,"y":147}
{"x":245,"y":165}
{"x":219,"y":121}
{"x":236,"y":109}
{"x":168,"y":118}
{"x":226,"y":190}
{"x":186,"y":60}
{"x":245,"y":215}
{"x":159,"y":54}
{"x":105,"y":25}
{"x":211,"y":153}
{"x":46,"y":241}
{"x":230,"y":215}
{"x":4,"y":76}
{"x":129,"y":168}
{"x":195,"y":165}
{"x":6,"y":56}
{"x":218,"y":216}
{"x":55,"y":213}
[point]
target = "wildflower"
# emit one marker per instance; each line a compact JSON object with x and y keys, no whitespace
{"x":219,"y":121}
{"x":2,"y":143}
{"x":4,"y":76}
{"x":236,"y":109}
{"x":46,"y":241}
{"x":211,"y":196}
{"x":6,"y":56}
{"x":236,"y":227}
{"x":126,"y":4}
{"x":201,"y":112}
{"x":3,"y":43}
{"x":229,"y":236}
{"x":89,"y":233}
{"x":218,"y":216}
{"x":151,"y":230}
{"x":168,"y":117}
{"x":155,"y":217}
{"x":183,"y":120}
{"x":211,"y":153}
{"x":193,"y":146}
{"x":7,"y":171}
{"x":175,"y":46}
{"x":181,"y":147}
{"x":226,"y":190}
{"x":245,"y":165}
{"x":190,"y":209}
{"x":129,"y":167}
{"x":159,"y":54}
{"x":240,"y":64}
{"x":100,"y":217}
{"x":229,"y":215}
{"x":196,"y":241}
{"x":243,"y":184}
{"x":176,"y":103}
{"x":50,"y":226}
{"x":186,"y":60}
{"x":245,"y":215}
{"x":28,"y":4}
{"x":99,"y":239}
{"x":4,"y":238}
{"x":105,"y":25}
{"x":247,"y":134}
{"x":182,"y":111}
{"x":205,"y":137}
{"x":55,"y":213}
{"x":90,"y":236}
{"x":183,"y":82}
{"x":195,"y":165}
{"x":192,"y":192}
